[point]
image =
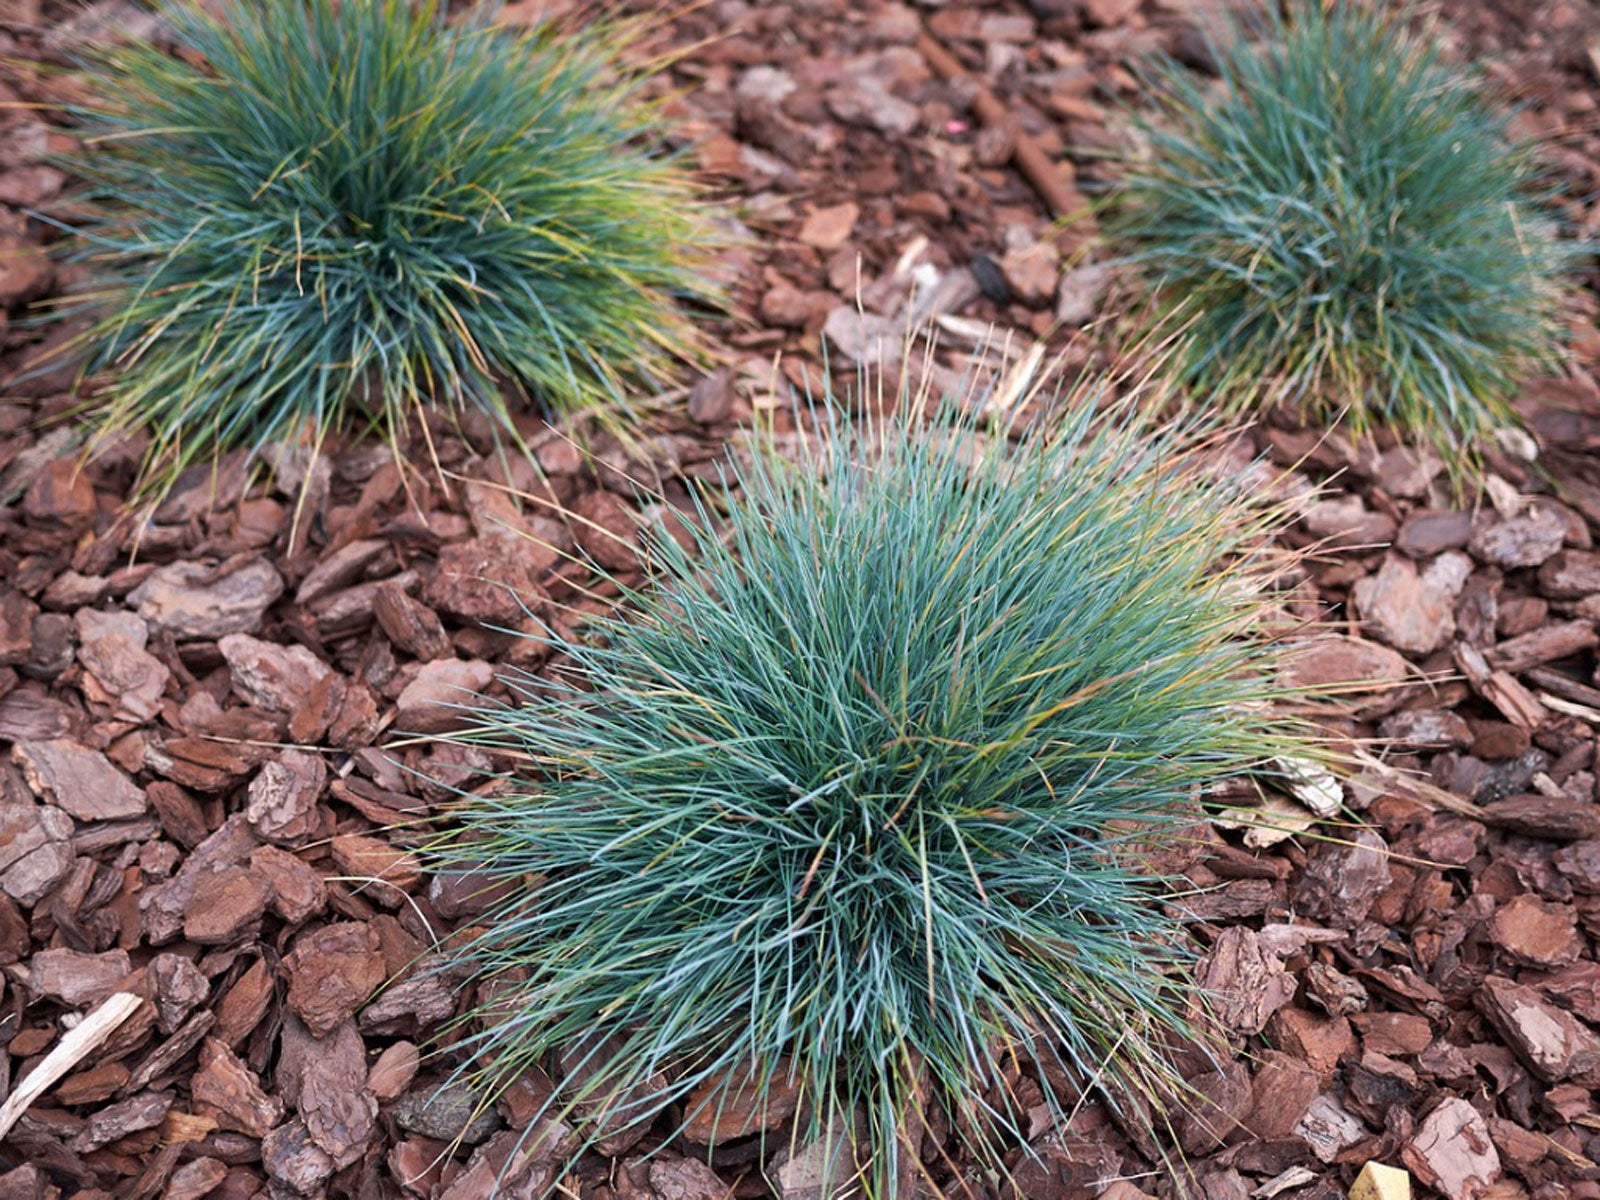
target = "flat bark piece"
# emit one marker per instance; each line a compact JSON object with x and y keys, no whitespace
{"x":1062,"y":1167}
{"x":676,"y":1178}
{"x":76,"y":978}
{"x":298,"y":891}
{"x":1404,"y":609}
{"x":1519,"y":1148}
{"x":1333,"y":991}
{"x":483,"y":581}
{"x":1281,"y":1092}
{"x":723,"y":1111}
{"x":1537,"y":932}
{"x":1238,"y":898}
{"x":1554,"y":1043}
{"x":1571,"y":575}
{"x":514,"y":1164}
{"x":339,"y":1112}
{"x":1522,"y":541}
{"x":1244,"y":983}
{"x":196,"y":1178}
{"x":283,"y":797}
{"x":417,"y":1164}
{"x":192,"y":600}
{"x":1394,"y":1034}
{"x":1329,"y":1128}
{"x":1344,"y":522}
{"x":1557,"y":818}
{"x":350,"y":563}
{"x":33,"y":716}
{"x":122,"y":673}
{"x":227,"y":1089}
{"x":99,"y":1082}
{"x":35,"y":850}
{"x":1580,"y":863}
{"x":356,"y":722}
{"x":1575,"y":989}
{"x":450,"y":1111}
{"x":411,"y":1006}
{"x":1341,"y":880}
{"x":1321,"y":1041}
{"x":409,"y":624}
{"x":1452,"y":1152}
{"x":1219,"y":1104}
{"x":79,"y":781}
{"x":226,"y":906}
{"x":829,"y":227}
{"x":1562,"y":639}
{"x":244,"y":1004}
{"x":379,"y":869}
{"x":395,"y":1069}
{"x":204,"y":764}
{"x":292,"y":1159}
{"x":144,"y":1111}
{"x":467,"y":893}
{"x":16,"y":627}
{"x":1425,"y":533}
{"x":332,"y":972}
{"x":1341,"y":662}
{"x":165,"y":907}
{"x":181,"y":816}
{"x":442,"y":695}
{"x":308,"y":724}
{"x":271,"y":676}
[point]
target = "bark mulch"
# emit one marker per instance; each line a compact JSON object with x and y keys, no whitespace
{"x":206,"y":798}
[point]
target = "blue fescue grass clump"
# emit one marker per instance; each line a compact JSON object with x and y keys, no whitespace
{"x":1346,"y":223}
{"x":855,"y":790}
{"x":319,"y":209}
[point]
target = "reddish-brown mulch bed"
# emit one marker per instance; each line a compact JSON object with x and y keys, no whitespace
{"x":205,"y":798}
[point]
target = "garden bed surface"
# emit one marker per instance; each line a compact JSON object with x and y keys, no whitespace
{"x":207,"y":797}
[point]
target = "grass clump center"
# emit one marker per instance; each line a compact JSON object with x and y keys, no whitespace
{"x":844,"y":804}
{"x":315,"y":209}
{"x":1344,"y":222}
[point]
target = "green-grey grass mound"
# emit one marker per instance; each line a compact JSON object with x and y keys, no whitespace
{"x":1345,"y":222}
{"x":317,"y":210}
{"x":852,"y":798}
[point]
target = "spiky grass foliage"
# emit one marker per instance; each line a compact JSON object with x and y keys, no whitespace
{"x":851,"y":799}
{"x":1344,"y":221}
{"x":325,"y":207}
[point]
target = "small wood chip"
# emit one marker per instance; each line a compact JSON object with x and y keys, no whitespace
{"x":1500,"y":688}
{"x":409,"y":624}
{"x":244,"y":1004}
{"x":1560,"y":640}
{"x":196,"y":1178}
{"x":116,"y":1121}
{"x":1284,"y":1181}
{"x":225,"y":1088}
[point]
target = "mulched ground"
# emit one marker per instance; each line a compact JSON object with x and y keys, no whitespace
{"x":201,"y":751}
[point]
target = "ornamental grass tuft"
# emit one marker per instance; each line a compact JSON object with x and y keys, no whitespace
{"x":853,"y":799}
{"x":1344,"y":222}
{"x":324,"y":209}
